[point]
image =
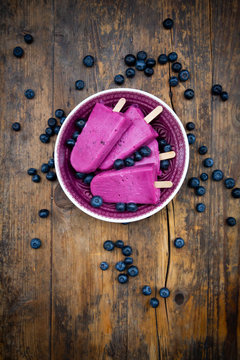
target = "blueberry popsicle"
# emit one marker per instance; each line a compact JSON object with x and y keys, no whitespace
{"x":138,"y":134}
{"x":102,"y":131}
{"x":136,"y":184}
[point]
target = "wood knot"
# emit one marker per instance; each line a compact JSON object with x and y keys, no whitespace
{"x":61,"y":200}
{"x":179,"y":298}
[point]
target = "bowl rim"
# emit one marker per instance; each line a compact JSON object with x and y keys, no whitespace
{"x":136,"y":218}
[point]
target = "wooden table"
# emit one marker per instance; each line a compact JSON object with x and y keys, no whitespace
{"x":56,"y":302}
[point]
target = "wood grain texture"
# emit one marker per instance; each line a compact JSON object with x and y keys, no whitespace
{"x":56,"y":303}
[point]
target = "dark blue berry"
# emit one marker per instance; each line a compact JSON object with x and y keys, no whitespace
{"x":59,"y":113}
{"x":231,"y":221}
{"x":80,"y":175}
{"x":35,"y":243}
{"x":176,"y":67}
{"x":127,"y":250}
{"x":28,"y":38}
{"x":167,"y":148}
{"x":141,"y":55}
{"x":145,"y":151}
{"x":79,"y":84}
{"x":32,"y":171}
{"x":150,"y":62}
{"x":51,"y":176}
{"x":217,"y":175}
{"x":18,"y":52}
{"x":179,"y":243}
{"x":49,"y":131}
{"x":140,"y":65}
{"x":216,"y":89}
{"x":104,"y":265}
{"x":88,"y":178}
{"x":44,"y":138}
{"x":132,"y":271}
{"x":173,"y":81}
{"x":62,"y":120}
{"x":120,"y":266}
{"x":164,"y":164}
{"x":236,"y":193}
{"x":130,"y":73}
{"x":168,"y":23}
{"x":96,"y":201}
{"x":204,"y":177}
{"x":119,"y":79}
{"x":229,"y":183}
{"x":122,"y":278}
{"x":119,"y":244}
{"x":16,"y":126}
{"x":121,"y":207}
{"x":52,"y":122}
{"x":162,"y":59}
{"x":88,"y":61}
{"x":108,"y":245}
{"x":132,"y":207}
{"x":129,"y":162}
{"x":36,"y":178}
{"x":128,"y":260}
{"x":80,"y":123}
{"x":191,"y":138}
{"x":43,"y":213}
{"x":184,"y":75}
{"x":172,"y":56}
{"x":200,"y":207}
{"x":29,"y":93}
{"x":146,"y":290}
{"x":154,"y":303}
{"x":75,"y":135}
{"x":203,"y":150}
{"x":161,"y":143}
{"x":118,"y":164}
{"x":148,"y":71}
{"x":189,"y":94}
{"x":51,"y":163}
{"x":208,"y":162}
{"x":70,"y":143}
{"x":224,"y":96}
{"x":200,"y":191}
{"x":193,"y":182}
{"x":164,"y":292}
{"x":56,"y":129}
{"x":137,"y":156}
{"x":130,"y":60}
{"x":190,"y":126}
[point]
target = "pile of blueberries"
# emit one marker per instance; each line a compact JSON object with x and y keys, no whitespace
{"x":45,"y":169}
{"x":53,"y":127}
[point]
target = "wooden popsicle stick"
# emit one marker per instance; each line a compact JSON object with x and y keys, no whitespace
{"x":167,"y":155}
{"x":153,"y":114}
{"x":120,"y":104}
{"x":163,"y":184}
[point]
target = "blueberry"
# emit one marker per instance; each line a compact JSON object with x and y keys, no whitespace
{"x":146,"y":290}
{"x":130,"y":60}
{"x":184,"y":75}
{"x":80,"y":175}
{"x":70,"y":143}
{"x":120,"y":266}
{"x":18,"y":52}
{"x":172,"y":56}
{"x":44,"y":168}
{"x":51,"y":176}
{"x":108,"y":245}
{"x":44,"y":138}
{"x":164,"y":164}
{"x":190,"y":126}
{"x":231,"y":221}
{"x":88,"y":178}
{"x":141,"y":55}
{"x":176,"y":67}
{"x":104,"y":265}
{"x":162,"y":59}
{"x":56,"y":129}
{"x":191,"y":138}
{"x":208,"y":162}
{"x":203,"y":150}
{"x":189,"y":94}
{"x":154,"y":302}
{"x":229,"y":183}
{"x":80,"y":123}
{"x":130,"y":73}
{"x":129,"y":162}
{"x":145,"y":151}
{"x":28,"y":38}
{"x":51,"y":163}
{"x":119,"y":244}
{"x":132,"y":271}
{"x":127,"y":250}
{"x":79,"y":84}
{"x":43,"y":213}
{"x":179,"y":243}
{"x":49,"y":131}
{"x":204,"y":177}
{"x":216,"y":89}
{"x":132,"y":207}
{"x":118,"y":164}
{"x":200,"y":191}
{"x":59,"y":113}
{"x":96,"y":201}
{"x":193,"y":182}
{"x":164,"y":292}
{"x":119,"y":79}
{"x":36,"y":178}
{"x":62,"y":120}
{"x":173,"y":81}
{"x":167,"y":148}
{"x":200,"y":207}
{"x":35,"y":243}
{"x":140,"y":65}
{"x":16,"y":126}
{"x":217,"y":175}
{"x":32,"y":171}
{"x":224,"y":96}
{"x":148,"y":71}
{"x":75,"y":135}
{"x":52,"y":122}
{"x":161,"y":143}
{"x":122,"y":278}
{"x":29,"y":93}
{"x":128,"y":260}
{"x":168,"y":23}
{"x":236,"y":193}
{"x":137,"y":156}
{"x":88,"y":61}
{"x":121,"y":207}
{"x":150,"y":62}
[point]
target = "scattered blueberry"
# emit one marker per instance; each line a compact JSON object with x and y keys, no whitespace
{"x":32,"y":171}
{"x":145,"y":151}
{"x":168,"y":23}
{"x":51,"y":176}
{"x":161,"y":143}
{"x":137,"y":156}
{"x":96,"y":201}
{"x":173,"y":81}
{"x":129,"y":162}
{"x":146,"y":290}
{"x":52,"y":122}
{"x":119,"y":244}
{"x":59,"y":113}
{"x":184,"y":75}
{"x":162,"y":59}
{"x":130,"y":60}
{"x":190,"y":126}
{"x":216,"y":89}
{"x":16,"y":126}
{"x":80,"y":123}
{"x":88,"y":178}
{"x":119,"y":79}
{"x":62,"y":120}
{"x":120,"y":266}
{"x":51,"y":163}
{"x":132,"y":207}
{"x":164,"y":292}
{"x":57,"y":129}
{"x":229,"y":183}
{"x":128,"y":260}
{"x":191,"y":138}
{"x":88,"y":61}
{"x":70,"y":143}
{"x":236,"y":193}
{"x":224,"y":96}
{"x":18,"y":52}
{"x":104,"y":265}
{"x":130,"y":73}
{"x":150,"y":62}
{"x":200,"y":207}
{"x":79,"y":84}
{"x":49,"y":131}
{"x":204,"y":177}
{"x":189,"y":94}
{"x":208,"y":162}
{"x":172,"y":56}
{"x":127,"y":250}
{"x":43,"y":213}
{"x":44,"y":138}
{"x":36,"y":178}
{"x":148,"y":71}
{"x":141,"y":55}
{"x":179,"y":243}
{"x":140,"y":65}
{"x":231,"y":221}
{"x":75,"y":135}
{"x":28,"y":38}
{"x":176,"y":67}
{"x":35,"y":243}
{"x":122,"y":278}
{"x":203,"y":150}
{"x":108,"y":245}
{"x":133,"y":271}
{"x":193,"y":182}
{"x":121,"y":207}
{"x":154,"y":302}
{"x":80,"y":175}
{"x":118,"y":164}
{"x":164,"y":164}
{"x":29,"y":93}
{"x":200,"y":190}
{"x":217,"y":175}
{"x":167,"y":148}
